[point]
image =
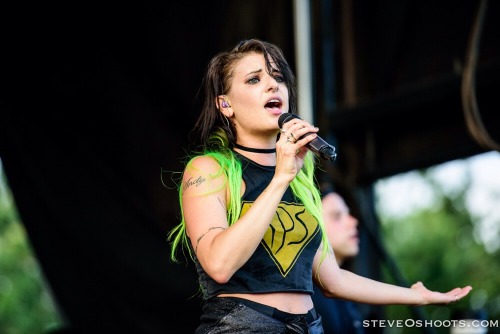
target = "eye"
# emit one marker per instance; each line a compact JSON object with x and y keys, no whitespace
{"x":253,"y":80}
{"x":279,"y":78}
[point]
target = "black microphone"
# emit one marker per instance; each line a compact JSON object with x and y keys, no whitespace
{"x":320,"y":147}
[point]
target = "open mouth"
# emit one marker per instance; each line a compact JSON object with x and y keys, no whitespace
{"x":274,"y":104}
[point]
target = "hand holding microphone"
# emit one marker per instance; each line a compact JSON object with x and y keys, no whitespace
{"x":318,"y":146}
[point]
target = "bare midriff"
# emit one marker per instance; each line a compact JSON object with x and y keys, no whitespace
{"x":291,"y":302}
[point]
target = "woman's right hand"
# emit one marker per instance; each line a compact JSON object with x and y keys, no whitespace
{"x":291,"y":148}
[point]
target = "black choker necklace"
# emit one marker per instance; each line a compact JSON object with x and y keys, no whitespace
{"x":255,"y":150}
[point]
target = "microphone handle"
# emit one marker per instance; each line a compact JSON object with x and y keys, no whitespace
{"x":321,"y":148}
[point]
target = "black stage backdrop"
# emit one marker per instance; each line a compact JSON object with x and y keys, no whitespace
{"x":97,"y":101}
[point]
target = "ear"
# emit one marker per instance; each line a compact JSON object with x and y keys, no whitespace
{"x":224,"y":106}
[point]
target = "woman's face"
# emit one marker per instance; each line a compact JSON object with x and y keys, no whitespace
{"x":256,"y":98}
{"x":341,"y":227}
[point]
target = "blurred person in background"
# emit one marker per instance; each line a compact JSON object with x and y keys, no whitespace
{"x":339,"y":316}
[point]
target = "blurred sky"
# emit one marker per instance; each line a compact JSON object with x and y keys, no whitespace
{"x":400,"y":194}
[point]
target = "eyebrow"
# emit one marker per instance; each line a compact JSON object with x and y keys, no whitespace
{"x":275,"y":71}
{"x":253,"y":72}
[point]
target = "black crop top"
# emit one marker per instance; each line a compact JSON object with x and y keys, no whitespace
{"x":283,"y":260}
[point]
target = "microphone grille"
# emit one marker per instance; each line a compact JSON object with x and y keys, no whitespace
{"x":285,"y":117}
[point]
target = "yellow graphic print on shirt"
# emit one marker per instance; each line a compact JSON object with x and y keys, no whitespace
{"x":292,"y":226}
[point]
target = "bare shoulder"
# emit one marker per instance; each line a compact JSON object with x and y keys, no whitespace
{"x":202,"y":175}
{"x":204,"y":188}
{"x":203,"y":163}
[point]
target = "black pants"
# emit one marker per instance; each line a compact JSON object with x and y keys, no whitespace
{"x":241,"y":316}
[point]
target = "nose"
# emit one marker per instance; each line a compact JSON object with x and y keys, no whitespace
{"x":273,"y":85}
{"x":353,"y":220}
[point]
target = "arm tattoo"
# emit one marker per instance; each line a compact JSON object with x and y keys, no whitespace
{"x":221,"y":203}
{"x":192,"y":182}
{"x":201,"y":236}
